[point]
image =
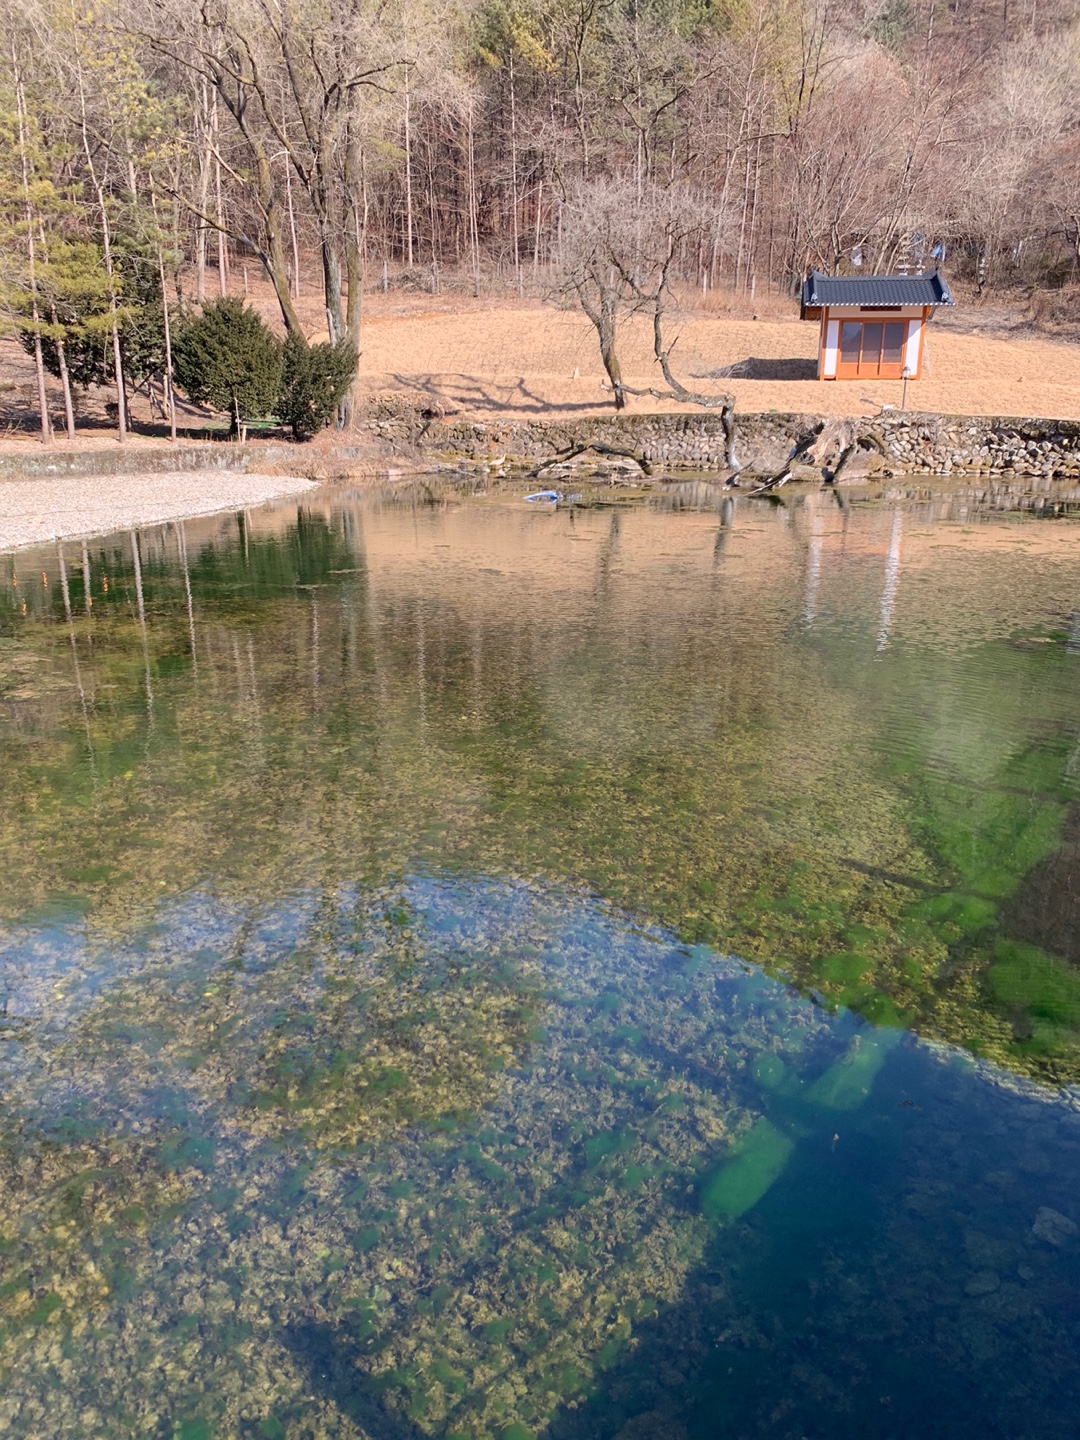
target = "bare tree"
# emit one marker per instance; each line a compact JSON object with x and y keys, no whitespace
{"x":622,"y":244}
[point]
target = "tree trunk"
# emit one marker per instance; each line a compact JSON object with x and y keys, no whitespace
{"x":408,"y":173}
{"x":331,"y":265}
{"x":31,"y":254}
{"x":292,"y":230}
{"x":170,"y":393}
{"x":474,"y":235}
{"x":355,"y":245}
{"x":39,"y":370}
{"x":536,"y":235}
{"x":118,"y":362}
{"x":65,"y":383}
{"x":219,"y":213}
{"x":606,"y":331}
{"x":205,"y":164}
{"x":514,"y":176}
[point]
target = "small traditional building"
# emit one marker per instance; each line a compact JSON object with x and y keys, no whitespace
{"x":872,"y":326}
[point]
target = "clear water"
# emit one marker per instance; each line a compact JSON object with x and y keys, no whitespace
{"x":485,"y":972}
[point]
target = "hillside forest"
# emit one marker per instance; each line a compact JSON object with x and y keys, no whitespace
{"x":598,"y":152}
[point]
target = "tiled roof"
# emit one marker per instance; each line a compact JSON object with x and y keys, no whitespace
{"x":875,"y":291}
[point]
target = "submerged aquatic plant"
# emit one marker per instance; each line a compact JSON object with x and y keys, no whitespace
{"x":489,"y":1250}
{"x":328,"y":1077}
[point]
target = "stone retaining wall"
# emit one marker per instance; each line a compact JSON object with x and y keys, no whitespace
{"x":138,"y":459}
{"x":908,"y":443}
{"x":949,"y":444}
{"x":891,"y":444}
{"x":692,"y":441}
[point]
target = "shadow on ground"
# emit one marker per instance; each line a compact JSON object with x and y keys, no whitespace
{"x":757,"y":368}
{"x":509,"y":402}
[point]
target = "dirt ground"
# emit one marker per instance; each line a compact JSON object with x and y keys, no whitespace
{"x":500,"y":357}
{"x":540,"y":361}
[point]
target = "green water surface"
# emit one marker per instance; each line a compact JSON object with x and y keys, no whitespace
{"x":462,"y":965}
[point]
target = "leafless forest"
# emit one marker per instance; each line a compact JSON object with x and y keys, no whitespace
{"x":150,"y":145}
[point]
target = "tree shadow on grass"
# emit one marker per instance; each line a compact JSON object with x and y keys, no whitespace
{"x":453,"y":392}
{"x":760,"y":368}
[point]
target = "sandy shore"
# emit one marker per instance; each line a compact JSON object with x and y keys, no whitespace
{"x":70,"y":506}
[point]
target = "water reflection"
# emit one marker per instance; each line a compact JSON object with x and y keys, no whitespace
{"x":337,"y":1099}
{"x":457,"y":1157}
{"x":593,"y":696}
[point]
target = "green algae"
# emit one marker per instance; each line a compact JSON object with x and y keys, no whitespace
{"x":757,"y":1162}
{"x":760,"y":808}
{"x":845,"y":1085}
{"x":605,"y":1145}
{"x":44,"y":1309}
{"x":197,"y":1429}
{"x":1043,"y":986}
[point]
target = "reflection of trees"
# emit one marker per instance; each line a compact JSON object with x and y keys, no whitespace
{"x":728,"y":783}
{"x":75,"y":661}
{"x":983,"y":759}
{"x":181,"y":541}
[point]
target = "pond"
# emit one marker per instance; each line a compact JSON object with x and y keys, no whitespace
{"x":599,"y":972}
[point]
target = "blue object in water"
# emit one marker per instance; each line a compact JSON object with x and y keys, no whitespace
{"x":545,"y":495}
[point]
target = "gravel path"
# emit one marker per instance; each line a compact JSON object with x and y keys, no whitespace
{"x":70,"y":506}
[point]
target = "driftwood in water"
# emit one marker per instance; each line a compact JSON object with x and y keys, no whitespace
{"x":772,"y":484}
{"x":564,"y":457}
{"x":838,"y":448}
{"x":838,"y":468}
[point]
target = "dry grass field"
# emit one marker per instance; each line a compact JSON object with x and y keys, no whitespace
{"x":529,"y":359}
{"x":495,"y":358}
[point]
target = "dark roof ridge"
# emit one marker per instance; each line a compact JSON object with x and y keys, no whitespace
{"x":875,"y":292}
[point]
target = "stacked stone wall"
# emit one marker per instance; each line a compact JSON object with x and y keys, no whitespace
{"x":401,"y":436}
{"x":907,"y":442}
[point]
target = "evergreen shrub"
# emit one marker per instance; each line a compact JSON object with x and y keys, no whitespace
{"x":316,"y":379}
{"x":228,"y":359}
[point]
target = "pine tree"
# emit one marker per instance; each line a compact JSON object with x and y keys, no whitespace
{"x":316,"y":380}
{"x":76,"y":282}
{"x":229,"y":359}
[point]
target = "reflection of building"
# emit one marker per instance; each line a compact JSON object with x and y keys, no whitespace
{"x":872,"y":326}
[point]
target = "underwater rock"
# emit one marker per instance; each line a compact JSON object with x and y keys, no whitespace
{"x":654,"y":1425}
{"x":985,"y":1282}
{"x":1053,"y":1227}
